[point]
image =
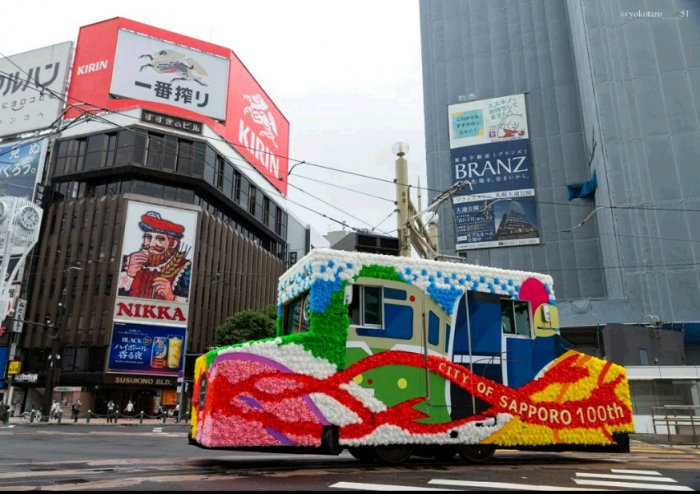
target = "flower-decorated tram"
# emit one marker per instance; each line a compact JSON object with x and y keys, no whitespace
{"x":392,"y":356}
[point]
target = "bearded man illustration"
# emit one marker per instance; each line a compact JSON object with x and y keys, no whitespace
{"x":160,"y":270}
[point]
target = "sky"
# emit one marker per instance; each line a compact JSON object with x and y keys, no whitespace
{"x":347,"y":75}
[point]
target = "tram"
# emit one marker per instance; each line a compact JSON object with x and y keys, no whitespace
{"x":388,"y":357}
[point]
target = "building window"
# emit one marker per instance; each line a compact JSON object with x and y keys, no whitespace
{"x":220,"y":171}
{"x":366,"y":309}
{"x":296,"y":315}
{"x":251,"y":199}
{"x":184,"y":156}
{"x":515,"y":317}
{"x":237,"y":186}
{"x":280,"y":219}
{"x":266,"y":210}
{"x":643,"y":356}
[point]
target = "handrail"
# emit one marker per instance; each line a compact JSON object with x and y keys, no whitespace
{"x":670,"y":416}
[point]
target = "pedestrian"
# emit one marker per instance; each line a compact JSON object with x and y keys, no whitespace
{"x":110,"y":412}
{"x":177,"y":413}
{"x":18,"y":409}
{"x":129,"y":410}
{"x":159,"y":412}
{"x":76,"y":411}
{"x":55,"y":410}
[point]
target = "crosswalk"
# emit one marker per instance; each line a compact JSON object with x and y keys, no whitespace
{"x":617,"y":479}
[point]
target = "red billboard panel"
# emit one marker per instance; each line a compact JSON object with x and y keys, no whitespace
{"x":171,"y":77}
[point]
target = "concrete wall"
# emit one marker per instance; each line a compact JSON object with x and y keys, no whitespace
{"x":498,"y":48}
{"x":640,"y":86}
{"x":623,"y":342}
{"x":632,"y":86}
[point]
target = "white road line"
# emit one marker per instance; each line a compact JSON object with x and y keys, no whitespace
{"x":382,"y":487}
{"x":624,"y":477}
{"x":633,"y":485}
{"x":636,"y":472}
{"x":505,"y":485}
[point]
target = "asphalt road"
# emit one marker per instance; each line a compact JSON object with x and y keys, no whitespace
{"x":159,"y":459}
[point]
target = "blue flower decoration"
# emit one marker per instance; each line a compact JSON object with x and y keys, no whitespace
{"x":469,"y":277}
{"x":482,"y":279}
{"x":496,"y":281}
{"x":323,"y":269}
{"x":510,"y":282}
{"x":424,"y":272}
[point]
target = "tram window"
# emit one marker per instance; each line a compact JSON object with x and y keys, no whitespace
{"x":515,"y":317}
{"x":297,"y":314}
{"x":367,"y":306}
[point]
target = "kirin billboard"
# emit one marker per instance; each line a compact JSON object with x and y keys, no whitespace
{"x":122,"y":64}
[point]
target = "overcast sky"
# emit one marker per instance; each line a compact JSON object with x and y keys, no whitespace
{"x":347,"y":75}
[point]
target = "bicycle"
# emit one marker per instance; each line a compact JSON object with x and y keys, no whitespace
{"x":26,"y":416}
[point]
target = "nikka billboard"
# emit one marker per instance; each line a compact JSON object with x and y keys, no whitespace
{"x":156,"y":265}
{"x":248,"y":120}
{"x":151,"y":309}
{"x":490,"y":149}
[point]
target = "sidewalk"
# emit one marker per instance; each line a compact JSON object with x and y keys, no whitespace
{"x":65,"y":421}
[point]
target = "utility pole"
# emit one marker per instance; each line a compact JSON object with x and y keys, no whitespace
{"x":400,"y":148}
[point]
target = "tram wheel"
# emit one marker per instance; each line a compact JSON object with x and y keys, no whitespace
{"x":392,"y":455}
{"x":365,"y":454}
{"x":477,"y":453}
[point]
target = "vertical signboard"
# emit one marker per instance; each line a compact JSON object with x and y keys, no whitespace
{"x":490,"y":148}
{"x":152,"y":304}
{"x":29,"y":85}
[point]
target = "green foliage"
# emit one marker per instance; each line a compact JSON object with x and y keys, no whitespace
{"x":329,"y":330}
{"x":247,"y":326}
{"x":379,"y":272}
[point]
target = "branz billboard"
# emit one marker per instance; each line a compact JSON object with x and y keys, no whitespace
{"x":123,"y":64}
{"x":32,"y":86}
{"x":490,"y":149}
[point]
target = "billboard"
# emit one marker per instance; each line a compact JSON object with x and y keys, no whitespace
{"x":24,"y":106}
{"x":490,"y":149}
{"x":250,"y":121}
{"x":151,"y":69}
{"x":156,"y":264}
{"x":21,"y":168}
{"x":146,"y":349}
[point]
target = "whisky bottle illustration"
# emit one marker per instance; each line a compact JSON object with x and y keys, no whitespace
{"x":159,"y":353}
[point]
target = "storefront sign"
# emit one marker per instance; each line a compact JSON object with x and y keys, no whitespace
{"x":146,"y":381}
{"x":19,"y":315}
{"x":171,"y":122}
{"x":27,"y":378}
{"x":15,"y":368}
{"x":68,"y":389}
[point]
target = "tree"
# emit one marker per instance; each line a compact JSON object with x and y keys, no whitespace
{"x":246,"y":326}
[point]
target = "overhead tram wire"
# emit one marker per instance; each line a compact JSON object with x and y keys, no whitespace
{"x":106,"y":112}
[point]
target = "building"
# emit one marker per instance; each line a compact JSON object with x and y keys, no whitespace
{"x":612,"y":108}
{"x":164,"y":214}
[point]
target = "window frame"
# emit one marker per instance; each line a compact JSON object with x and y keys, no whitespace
{"x":360,"y":293}
{"x":516,"y":334}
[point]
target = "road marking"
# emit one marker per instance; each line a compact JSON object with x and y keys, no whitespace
{"x":633,"y":485}
{"x":671,"y":451}
{"x":505,"y":485}
{"x":637,"y":472}
{"x":624,"y":477}
{"x":382,"y":487}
